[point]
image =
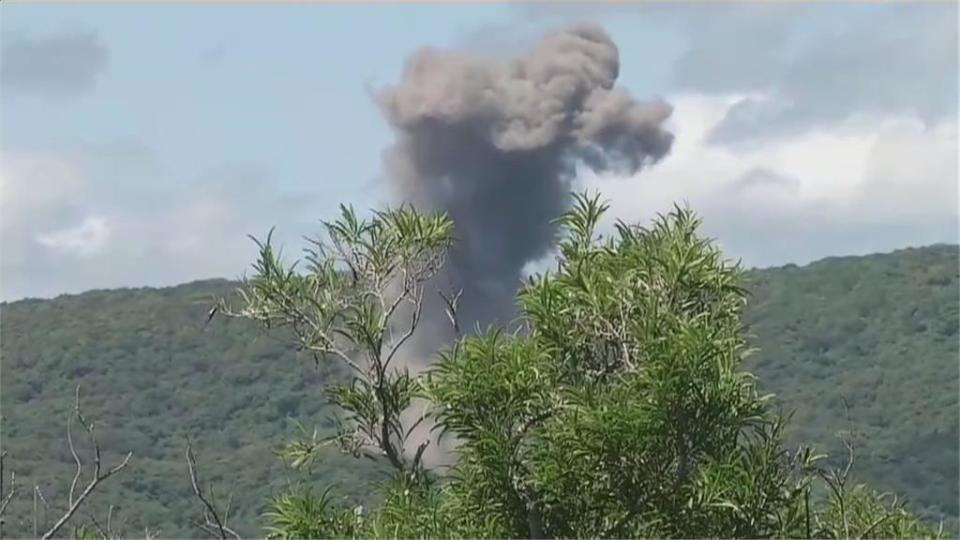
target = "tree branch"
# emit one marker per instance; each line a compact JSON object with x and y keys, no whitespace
{"x":46,"y":507}
{"x":5,"y":499}
{"x":217,"y":526}
{"x":414,"y":321}
{"x":98,"y":476}
{"x":76,"y":458}
{"x":451,"y":304}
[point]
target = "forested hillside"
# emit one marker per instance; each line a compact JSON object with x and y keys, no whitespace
{"x":879,"y":332}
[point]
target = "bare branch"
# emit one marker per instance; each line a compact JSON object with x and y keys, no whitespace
{"x":451,"y":304}
{"x":9,"y":496}
{"x":848,"y":442}
{"x":76,"y":458}
{"x":5,"y":499}
{"x":388,"y":312}
{"x":46,"y":505}
{"x":214,"y":529}
{"x":98,"y":475}
{"x":216,"y":526}
{"x":106,"y":532}
{"x":414,"y":321}
{"x":35,"y":525}
{"x":109,"y":517}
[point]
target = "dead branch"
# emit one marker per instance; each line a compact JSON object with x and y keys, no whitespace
{"x":5,"y":499}
{"x":107,"y":531}
{"x":98,"y":474}
{"x":415,"y":313}
{"x":212,"y":523}
{"x":451,"y":304}
{"x":76,"y":459}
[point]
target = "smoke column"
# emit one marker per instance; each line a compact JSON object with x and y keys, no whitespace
{"x":495,"y":143}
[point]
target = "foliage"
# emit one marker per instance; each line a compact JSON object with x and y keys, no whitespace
{"x":879,"y":331}
{"x":623,"y":384}
{"x":619,"y":409}
{"x":359,"y":282}
{"x":295,"y":515}
{"x":153,"y":376}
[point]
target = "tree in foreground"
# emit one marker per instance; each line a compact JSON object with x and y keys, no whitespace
{"x":618,"y":409}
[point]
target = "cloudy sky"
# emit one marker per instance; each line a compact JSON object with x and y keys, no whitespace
{"x":142,"y":143}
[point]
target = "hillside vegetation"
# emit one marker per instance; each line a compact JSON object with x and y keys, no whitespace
{"x":879,"y":332}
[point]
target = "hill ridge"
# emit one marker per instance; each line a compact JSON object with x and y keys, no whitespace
{"x":213,"y":281}
{"x":880,"y":330}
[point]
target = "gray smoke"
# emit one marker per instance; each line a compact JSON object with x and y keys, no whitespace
{"x":495,"y":143}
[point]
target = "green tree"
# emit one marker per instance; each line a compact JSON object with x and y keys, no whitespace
{"x":360,"y":301}
{"x":618,"y":409}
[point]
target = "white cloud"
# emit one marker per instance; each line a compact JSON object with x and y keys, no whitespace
{"x":85,"y":239}
{"x":856,"y":185}
{"x":912,"y":169}
{"x":70,"y":221}
{"x":31,"y":181}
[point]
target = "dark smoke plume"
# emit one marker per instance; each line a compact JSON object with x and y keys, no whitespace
{"x":496,"y":144}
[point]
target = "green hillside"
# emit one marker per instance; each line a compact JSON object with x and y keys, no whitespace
{"x":879,"y":331}
{"x":152,"y":374}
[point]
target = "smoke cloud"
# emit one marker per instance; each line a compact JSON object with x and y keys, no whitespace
{"x":495,"y":143}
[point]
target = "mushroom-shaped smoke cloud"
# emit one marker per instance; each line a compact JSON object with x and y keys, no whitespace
{"x":495,"y":143}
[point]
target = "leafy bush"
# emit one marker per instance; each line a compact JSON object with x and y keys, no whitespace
{"x":618,"y":409}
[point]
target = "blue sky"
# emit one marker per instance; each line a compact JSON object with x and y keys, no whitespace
{"x":141,"y":143}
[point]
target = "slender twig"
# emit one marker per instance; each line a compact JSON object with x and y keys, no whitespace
{"x":5,"y":499}
{"x":105,"y":533}
{"x":46,"y":508}
{"x":9,"y":496}
{"x":46,"y":505}
{"x":848,"y":441}
{"x":76,"y":459}
{"x":226,"y":511}
{"x":211,"y":512}
{"x":451,"y":305}
{"x":836,"y":479}
{"x":404,"y":294}
{"x":213,"y":529}
{"x":849,"y":444}
{"x":414,"y":321}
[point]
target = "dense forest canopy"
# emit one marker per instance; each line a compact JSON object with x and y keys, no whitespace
{"x":877,"y":332}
